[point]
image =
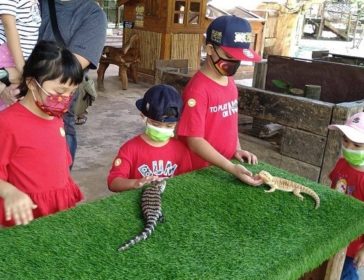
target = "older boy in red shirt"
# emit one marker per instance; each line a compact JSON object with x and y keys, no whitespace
{"x":209,"y":121}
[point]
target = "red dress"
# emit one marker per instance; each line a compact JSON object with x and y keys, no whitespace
{"x":210,"y":111}
{"x":34,"y":157}
{"x":137,"y":159}
{"x":344,"y":178}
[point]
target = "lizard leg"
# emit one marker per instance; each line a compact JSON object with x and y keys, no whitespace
{"x":161,"y":218}
{"x":297,"y":193}
{"x":272,"y":188}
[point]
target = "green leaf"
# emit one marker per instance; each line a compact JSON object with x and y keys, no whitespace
{"x":281,"y":84}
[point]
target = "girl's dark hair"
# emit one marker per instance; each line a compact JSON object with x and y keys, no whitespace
{"x":48,"y":62}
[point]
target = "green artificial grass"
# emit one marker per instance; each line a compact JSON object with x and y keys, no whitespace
{"x":216,"y":228}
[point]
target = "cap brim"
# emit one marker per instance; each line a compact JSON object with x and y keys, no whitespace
{"x":350,"y":132}
{"x":139,"y":104}
{"x":242,"y":54}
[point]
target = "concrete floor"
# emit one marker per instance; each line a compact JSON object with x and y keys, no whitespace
{"x":112,"y":119}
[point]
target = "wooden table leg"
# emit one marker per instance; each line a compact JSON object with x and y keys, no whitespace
{"x":335,"y":266}
{"x":123,"y":76}
{"x":101,"y":75}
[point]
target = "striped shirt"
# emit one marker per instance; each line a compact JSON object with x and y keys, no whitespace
{"x":28,"y":20}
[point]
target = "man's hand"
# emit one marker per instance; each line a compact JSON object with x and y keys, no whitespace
{"x":8,"y":94}
{"x":245,"y":156}
{"x":246,"y":176}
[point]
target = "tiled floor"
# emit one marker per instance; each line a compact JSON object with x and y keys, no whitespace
{"x":112,"y":119}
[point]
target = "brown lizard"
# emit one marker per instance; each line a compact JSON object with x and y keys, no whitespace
{"x":277,"y":183}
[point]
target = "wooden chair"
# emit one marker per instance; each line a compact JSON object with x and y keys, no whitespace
{"x":126,"y":57}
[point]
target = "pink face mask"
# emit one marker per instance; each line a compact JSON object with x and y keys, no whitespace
{"x":54,"y":104}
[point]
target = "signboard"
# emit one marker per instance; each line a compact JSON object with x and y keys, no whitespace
{"x":139,"y":16}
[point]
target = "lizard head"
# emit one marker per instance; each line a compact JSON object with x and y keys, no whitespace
{"x":265,"y":176}
{"x":160,"y":184}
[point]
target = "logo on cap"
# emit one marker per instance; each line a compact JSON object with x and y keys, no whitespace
{"x":242,"y":37}
{"x":356,"y":120}
{"x":216,"y":36}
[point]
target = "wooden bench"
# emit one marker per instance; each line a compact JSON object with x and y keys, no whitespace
{"x":126,"y":57}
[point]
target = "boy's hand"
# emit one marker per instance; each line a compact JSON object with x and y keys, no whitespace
{"x":246,"y":176}
{"x":18,"y":206}
{"x":146,"y":180}
{"x":245,"y":156}
{"x":359,"y":258}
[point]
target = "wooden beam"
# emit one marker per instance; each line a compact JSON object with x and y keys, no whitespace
{"x":304,"y":146}
{"x":297,"y":112}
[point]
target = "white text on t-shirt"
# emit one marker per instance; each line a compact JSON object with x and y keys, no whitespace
{"x":227,"y":109}
{"x":158,"y":168}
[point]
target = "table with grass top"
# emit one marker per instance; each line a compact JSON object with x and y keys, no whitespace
{"x":215,"y":227}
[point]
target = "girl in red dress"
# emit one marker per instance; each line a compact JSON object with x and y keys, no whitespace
{"x":35,"y":178}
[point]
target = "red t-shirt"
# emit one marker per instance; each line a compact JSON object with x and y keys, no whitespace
{"x":34,"y":157}
{"x":210,"y":111}
{"x":137,"y":159}
{"x":344,"y":178}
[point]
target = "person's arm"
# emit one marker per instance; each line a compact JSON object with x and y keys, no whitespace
{"x":123,"y":184}
{"x":88,"y":41}
{"x":83,"y":61}
{"x":7,"y":94}
{"x":201,"y":147}
{"x":13,"y":41}
{"x":18,"y":205}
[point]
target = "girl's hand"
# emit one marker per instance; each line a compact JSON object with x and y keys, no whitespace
{"x":145,"y":180}
{"x":359,"y":258}
{"x":242,"y":155}
{"x":18,"y":206}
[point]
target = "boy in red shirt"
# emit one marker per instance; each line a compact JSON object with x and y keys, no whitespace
{"x":348,"y":177}
{"x":154,"y":154}
{"x":209,"y":121}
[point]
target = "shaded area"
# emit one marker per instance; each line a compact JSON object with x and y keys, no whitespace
{"x":339,"y":82}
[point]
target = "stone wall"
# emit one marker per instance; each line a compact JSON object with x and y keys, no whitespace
{"x":307,"y":147}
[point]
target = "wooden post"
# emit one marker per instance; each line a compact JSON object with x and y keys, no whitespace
{"x":348,"y":27}
{"x":322,"y":21}
{"x":312,"y":91}
{"x":260,"y":73}
{"x":123,"y":76}
{"x":335,"y":266}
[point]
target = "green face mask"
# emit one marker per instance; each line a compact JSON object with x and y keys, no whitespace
{"x":354,"y":157}
{"x":159,"y":134}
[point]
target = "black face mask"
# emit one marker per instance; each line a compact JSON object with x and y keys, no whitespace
{"x":226,"y":67}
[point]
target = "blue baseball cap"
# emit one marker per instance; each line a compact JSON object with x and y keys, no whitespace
{"x":161,"y":103}
{"x":234,"y":35}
